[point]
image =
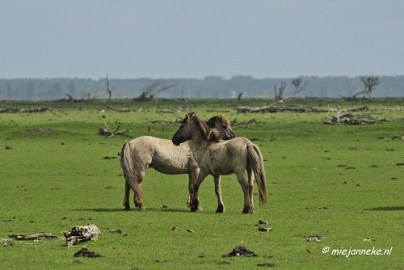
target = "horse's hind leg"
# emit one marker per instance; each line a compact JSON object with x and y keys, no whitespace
{"x":135,"y":184}
{"x":138,"y":196}
{"x":251,"y":188}
{"x":218,"y":191}
{"x":126,"y":196}
{"x":248,"y":207}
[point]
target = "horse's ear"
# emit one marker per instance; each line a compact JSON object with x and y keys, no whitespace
{"x":223,"y":119}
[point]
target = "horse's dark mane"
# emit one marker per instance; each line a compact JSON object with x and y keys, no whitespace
{"x":207,"y":133}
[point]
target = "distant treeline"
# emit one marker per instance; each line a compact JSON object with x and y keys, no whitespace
{"x":209,"y":87}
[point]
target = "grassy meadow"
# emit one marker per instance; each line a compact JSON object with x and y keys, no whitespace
{"x":343,"y":183}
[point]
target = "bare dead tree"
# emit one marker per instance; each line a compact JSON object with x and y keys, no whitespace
{"x":154,"y":88}
{"x":70,"y":98}
{"x":95,"y":95}
{"x":86,"y":96}
{"x":109,"y":91}
{"x":355,"y":96}
{"x":106,"y":131}
{"x":279,"y":92}
{"x":89,"y":96}
{"x":299,"y":85}
{"x":370,"y":83}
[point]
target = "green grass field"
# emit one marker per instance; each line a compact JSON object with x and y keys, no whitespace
{"x":342,"y":183}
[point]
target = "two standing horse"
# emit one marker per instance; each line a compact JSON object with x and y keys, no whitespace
{"x":196,"y":148}
{"x":217,"y":157}
{"x":143,"y":152}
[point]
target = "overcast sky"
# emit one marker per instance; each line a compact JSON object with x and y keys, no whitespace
{"x":194,"y":39}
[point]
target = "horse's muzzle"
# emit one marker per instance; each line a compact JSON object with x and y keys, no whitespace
{"x":176,"y":141}
{"x":230,"y":135}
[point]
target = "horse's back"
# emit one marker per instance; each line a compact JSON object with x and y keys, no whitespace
{"x":235,"y":148}
{"x":161,"y":154}
{"x":149,"y":142}
{"x":229,"y":156}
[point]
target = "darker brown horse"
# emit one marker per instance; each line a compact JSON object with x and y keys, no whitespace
{"x":217,"y":157}
{"x":143,"y":152}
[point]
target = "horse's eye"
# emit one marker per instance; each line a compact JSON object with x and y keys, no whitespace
{"x":224,"y":127}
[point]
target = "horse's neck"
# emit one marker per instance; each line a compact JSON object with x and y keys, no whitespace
{"x":199,"y":144}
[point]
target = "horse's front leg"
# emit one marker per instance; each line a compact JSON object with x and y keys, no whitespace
{"x":126,"y":196}
{"x":218,"y":191}
{"x":195,"y":206}
{"x":190,"y":183}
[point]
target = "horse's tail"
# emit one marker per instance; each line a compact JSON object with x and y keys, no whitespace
{"x":255,"y":162}
{"x":128,"y":168}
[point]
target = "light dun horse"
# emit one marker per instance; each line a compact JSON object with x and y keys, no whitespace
{"x":143,"y":152}
{"x":217,"y":157}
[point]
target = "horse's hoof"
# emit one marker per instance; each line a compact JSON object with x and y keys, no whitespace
{"x":127,"y":206}
{"x":220,"y":209}
{"x":197,"y":209}
{"x":248,"y":211}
